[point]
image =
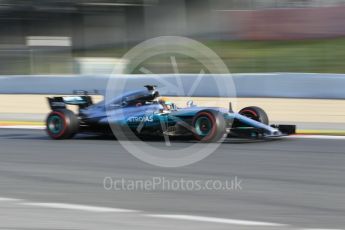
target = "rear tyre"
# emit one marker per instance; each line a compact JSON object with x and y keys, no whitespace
{"x":255,"y":113}
{"x":62,"y":124}
{"x":209,"y":126}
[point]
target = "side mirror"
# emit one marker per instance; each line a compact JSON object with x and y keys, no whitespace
{"x":190,"y":103}
{"x":173,"y":106}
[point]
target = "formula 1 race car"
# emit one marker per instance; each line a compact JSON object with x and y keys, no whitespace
{"x":143,"y":113}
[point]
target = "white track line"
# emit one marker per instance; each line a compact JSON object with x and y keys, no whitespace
{"x":9,"y":199}
{"x":87,"y":208}
{"x":78,"y":207}
{"x":97,"y":209}
{"x":216,"y":220}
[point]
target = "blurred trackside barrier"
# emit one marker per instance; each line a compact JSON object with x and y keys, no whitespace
{"x":265,"y":85}
{"x":287,"y":97}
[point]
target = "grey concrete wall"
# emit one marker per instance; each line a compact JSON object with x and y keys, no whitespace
{"x":270,"y":85}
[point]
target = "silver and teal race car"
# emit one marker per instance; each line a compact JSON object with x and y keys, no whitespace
{"x":143,"y":113}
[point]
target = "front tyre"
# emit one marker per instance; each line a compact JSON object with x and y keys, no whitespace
{"x":255,"y":113}
{"x":62,"y":124}
{"x":209,"y":126}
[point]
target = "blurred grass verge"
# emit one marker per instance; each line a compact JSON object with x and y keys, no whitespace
{"x":315,"y":56}
{"x":311,"y":56}
{"x":305,"y":56}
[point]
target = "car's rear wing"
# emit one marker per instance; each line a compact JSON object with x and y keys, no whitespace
{"x":61,"y":102}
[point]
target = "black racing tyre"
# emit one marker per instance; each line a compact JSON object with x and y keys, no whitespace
{"x":209,"y":126}
{"x":255,"y":113}
{"x":62,"y":124}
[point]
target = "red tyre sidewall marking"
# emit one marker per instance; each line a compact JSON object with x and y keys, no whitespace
{"x":250,"y":111}
{"x":64,"y":124}
{"x":213,"y":130}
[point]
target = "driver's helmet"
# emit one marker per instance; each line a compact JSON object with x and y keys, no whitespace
{"x":164,"y":101}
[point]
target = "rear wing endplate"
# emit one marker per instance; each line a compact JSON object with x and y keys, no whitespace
{"x":61,"y":102}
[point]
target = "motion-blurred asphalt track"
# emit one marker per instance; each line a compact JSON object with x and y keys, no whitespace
{"x":292,"y":183}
